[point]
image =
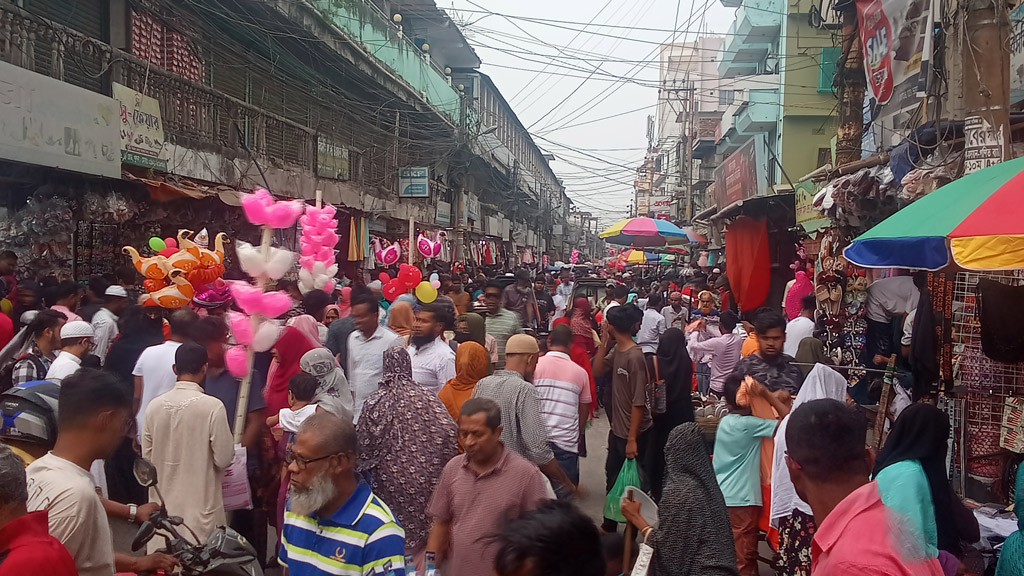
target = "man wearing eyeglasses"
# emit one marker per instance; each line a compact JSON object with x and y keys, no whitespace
{"x":333,"y":523}
{"x":76,"y":340}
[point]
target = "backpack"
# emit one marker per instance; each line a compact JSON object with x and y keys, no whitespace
{"x":29,"y":413}
{"x":7,"y":372}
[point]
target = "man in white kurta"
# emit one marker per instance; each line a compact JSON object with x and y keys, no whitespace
{"x":187,"y":437}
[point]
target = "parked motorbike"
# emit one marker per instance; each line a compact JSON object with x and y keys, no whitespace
{"x":225,"y":553}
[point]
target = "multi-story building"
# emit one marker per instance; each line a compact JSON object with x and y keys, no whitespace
{"x":345,"y":98}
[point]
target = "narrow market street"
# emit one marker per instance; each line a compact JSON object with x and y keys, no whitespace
{"x":336,"y":287}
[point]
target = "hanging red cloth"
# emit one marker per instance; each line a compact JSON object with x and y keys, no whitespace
{"x":749,"y":261}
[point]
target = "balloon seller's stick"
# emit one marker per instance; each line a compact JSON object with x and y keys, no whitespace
{"x":243,"y":388}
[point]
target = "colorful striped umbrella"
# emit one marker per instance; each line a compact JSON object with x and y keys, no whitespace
{"x":978,"y":218}
{"x":644,"y":232}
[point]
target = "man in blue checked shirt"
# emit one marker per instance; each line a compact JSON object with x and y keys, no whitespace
{"x":333,"y":524}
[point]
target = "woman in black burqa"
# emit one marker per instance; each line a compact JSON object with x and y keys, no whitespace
{"x":693,"y":536}
{"x":920,"y":434}
{"x":676,"y":368}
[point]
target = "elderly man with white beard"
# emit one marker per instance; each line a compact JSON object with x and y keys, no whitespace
{"x":333,"y":523}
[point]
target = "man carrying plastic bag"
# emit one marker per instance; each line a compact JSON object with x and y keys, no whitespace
{"x":631,"y":434}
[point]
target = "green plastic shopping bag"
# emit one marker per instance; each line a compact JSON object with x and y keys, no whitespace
{"x":629,"y":475}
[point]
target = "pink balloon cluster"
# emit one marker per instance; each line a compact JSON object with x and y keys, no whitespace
{"x":261,"y":209}
{"x":319,"y":237}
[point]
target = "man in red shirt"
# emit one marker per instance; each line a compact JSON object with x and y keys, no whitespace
{"x":26,"y":546}
{"x":829,"y":465}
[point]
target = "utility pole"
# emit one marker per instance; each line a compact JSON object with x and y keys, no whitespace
{"x":986,"y":73}
{"x":852,"y":83}
{"x":688,"y":138}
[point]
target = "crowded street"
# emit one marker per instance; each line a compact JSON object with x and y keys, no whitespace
{"x":471,"y":288}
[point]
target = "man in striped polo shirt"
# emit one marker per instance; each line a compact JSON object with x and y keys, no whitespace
{"x":563,"y":393}
{"x":333,"y":524}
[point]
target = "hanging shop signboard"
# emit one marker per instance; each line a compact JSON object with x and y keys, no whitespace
{"x":47,"y":122}
{"x":444,"y":214}
{"x":807,"y":215}
{"x":473,"y":206}
{"x":331,"y":159}
{"x":414,"y":182}
{"x":897,"y":54}
{"x":742,"y":175}
{"x":142,"y":129}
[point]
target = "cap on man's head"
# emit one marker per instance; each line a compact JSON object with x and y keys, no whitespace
{"x":522,"y":344}
{"x":609,"y":284}
{"x":116,"y":290}
{"x":77,"y":329}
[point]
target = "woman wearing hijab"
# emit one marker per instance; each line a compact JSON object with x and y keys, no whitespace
{"x":333,"y":393}
{"x":693,"y":537}
{"x":675,"y":367}
{"x":916,"y":446}
{"x":291,"y":345}
{"x":471,"y":364}
{"x":331,"y":313}
{"x":809,"y":352}
{"x":470,"y":328}
{"x":1011,"y":558}
{"x":405,"y":439}
{"x":345,"y":302}
{"x":789,"y":514}
{"x":308,"y":327}
{"x":400,"y":319}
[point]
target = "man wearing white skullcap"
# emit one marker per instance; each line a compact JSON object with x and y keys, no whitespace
{"x":76,"y":340}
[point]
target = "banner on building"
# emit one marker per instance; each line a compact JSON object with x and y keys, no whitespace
{"x":331,"y":159}
{"x":142,"y":129}
{"x":47,"y":122}
{"x":473,"y":206}
{"x":742,"y":175}
{"x":1017,"y":53}
{"x":897,"y":52}
{"x":414,"y":182}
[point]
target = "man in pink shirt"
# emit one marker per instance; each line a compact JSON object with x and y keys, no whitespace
{"x":65,"y":298}
{"x":829,"y":466}
{"x":563,"y":393}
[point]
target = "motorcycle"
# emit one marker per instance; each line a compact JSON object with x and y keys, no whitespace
{"x":225,"y":553}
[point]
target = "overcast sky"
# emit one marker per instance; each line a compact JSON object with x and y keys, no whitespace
{"x":564,"y":78}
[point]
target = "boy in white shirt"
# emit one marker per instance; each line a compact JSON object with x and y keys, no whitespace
{"x":301,"y":390}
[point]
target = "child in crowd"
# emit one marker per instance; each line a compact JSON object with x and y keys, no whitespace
{"x":737,"y":465}
{"x":301,"y":390}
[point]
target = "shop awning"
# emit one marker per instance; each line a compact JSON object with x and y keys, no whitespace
{"x":705,"y":215}
{"x":167,"y":187}
{"x":760,"y":205}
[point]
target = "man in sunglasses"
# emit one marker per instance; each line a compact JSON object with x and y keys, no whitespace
{"x":333,"y":521}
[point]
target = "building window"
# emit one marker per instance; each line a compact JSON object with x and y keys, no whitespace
{"x":827,"y":67}
{"x":824,"y":156}
{"x":726,"y":97}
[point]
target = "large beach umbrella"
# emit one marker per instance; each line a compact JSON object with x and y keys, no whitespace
{"x":978,"y":219}
{"x":643,"y":232}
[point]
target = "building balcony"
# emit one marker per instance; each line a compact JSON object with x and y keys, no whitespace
{"x":705,"y":176}
{"x":759,"y":114}
{"x":382,"y":40}
{"x":751,"y":37}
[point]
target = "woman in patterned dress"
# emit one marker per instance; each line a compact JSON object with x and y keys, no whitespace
{"x":406,"y":436}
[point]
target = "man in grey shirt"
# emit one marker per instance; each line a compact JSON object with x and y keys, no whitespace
{"x":523,"y":430}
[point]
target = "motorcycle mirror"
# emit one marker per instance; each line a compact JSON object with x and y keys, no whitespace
{"x":144,"y":535}
{"x":145,"y":472}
